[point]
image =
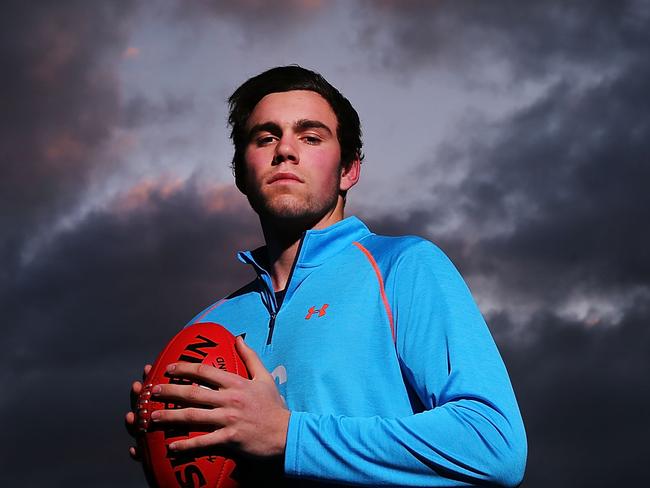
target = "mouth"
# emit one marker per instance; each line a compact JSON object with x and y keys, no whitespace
{"x":284,"y":177}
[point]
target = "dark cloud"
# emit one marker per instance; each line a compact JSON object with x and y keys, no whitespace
{"x":88,"y":312}
{"x":60,"y":100}
{"x":567,"y":176}
{"x":251,"y":10}
{"x":141,"y":110}
{"x":528,"y":38}
{"x":259,"y":20}
{"x":583,"y":395}
{"x":554,"y":197}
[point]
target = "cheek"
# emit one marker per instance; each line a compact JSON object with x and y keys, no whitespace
{"x":251,"y":156}
{"x":327,"y":158}
{"x":254,"y":161}
{"x":328,"y":179}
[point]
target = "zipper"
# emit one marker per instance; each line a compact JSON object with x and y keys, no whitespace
{"x":273,"y":314}
{"x":271,"y":326}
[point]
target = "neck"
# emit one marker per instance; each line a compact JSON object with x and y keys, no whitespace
{"x":283,"y":237}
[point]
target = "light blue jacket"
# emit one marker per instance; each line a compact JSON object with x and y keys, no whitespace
{"x":383,"y":358}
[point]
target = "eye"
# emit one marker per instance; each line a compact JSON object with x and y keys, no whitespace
{"x":311,"y":140}
{"x":265,"y":140}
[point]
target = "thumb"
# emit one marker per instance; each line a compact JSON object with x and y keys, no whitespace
{"x":251,"y":360}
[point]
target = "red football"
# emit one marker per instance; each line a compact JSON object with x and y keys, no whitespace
{"x":204,"y":342}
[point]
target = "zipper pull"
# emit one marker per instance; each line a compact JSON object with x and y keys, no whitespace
{"x":271,"y":326}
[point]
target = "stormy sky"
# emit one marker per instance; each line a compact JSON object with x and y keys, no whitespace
{"x":515,"y":135}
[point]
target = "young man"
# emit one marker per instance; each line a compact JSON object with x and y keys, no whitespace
{"x":370,"y":361}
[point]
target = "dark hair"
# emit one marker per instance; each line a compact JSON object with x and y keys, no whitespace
{"x":287,"y":78}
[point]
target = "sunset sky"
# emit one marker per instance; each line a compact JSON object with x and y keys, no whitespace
{"x":513,"y":134}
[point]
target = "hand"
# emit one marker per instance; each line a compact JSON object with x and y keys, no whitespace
{"x":136,"y":387}
{"x":247,"y":415}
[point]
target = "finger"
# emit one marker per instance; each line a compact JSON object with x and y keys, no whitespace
{"x":133,"y":452}
{"x":205,"y":374}
{"x":187,"y":394}
{"x":252,"y":361}
{"x":129,"y":419}
{"x":145,"y":372}
{"x":130,"y":422}
{"x":218,"y":437}
{"x":136,"y":388}
{"x":190,"y":416}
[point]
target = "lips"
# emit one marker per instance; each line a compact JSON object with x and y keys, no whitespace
{"x":284,"y":176}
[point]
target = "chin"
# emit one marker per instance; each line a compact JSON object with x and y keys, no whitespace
{"x":287,"y":210}
{"x":283,"y":205}
{"x":291,"y":208}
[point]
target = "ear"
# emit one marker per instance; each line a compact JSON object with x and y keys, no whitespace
{"x":350,"y":174}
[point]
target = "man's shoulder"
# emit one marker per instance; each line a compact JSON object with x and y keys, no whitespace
{"x":395,"y":246}
{"x":408,"y":253}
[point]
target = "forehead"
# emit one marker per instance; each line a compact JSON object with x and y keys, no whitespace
{"x":285,"y":108}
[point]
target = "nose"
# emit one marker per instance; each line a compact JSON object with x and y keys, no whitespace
{"x":285,"y":151}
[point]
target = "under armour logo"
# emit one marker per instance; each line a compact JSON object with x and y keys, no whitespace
{"x":320,"y":311}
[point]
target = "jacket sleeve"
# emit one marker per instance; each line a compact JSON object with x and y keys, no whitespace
{"x":467,"y":428}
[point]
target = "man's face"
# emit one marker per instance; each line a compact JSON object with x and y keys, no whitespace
{"x":293,"y":157}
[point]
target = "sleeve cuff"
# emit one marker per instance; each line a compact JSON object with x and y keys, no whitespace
{"x":291,"y":456}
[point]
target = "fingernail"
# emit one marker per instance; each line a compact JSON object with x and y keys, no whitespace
{"x":155,"y":415}
{"x":172,"y":446}
{"x":156,"y":390}
{"x":171,"y":368}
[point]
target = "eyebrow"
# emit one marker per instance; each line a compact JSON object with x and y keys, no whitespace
{"x":270,"y":127}
{"x":300,"y":126}
{"x":305,"y":124}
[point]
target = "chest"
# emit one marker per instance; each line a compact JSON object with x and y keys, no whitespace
{"x":329,"y":346}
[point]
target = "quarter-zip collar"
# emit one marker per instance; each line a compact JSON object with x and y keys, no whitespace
{"x":316,"y":247}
